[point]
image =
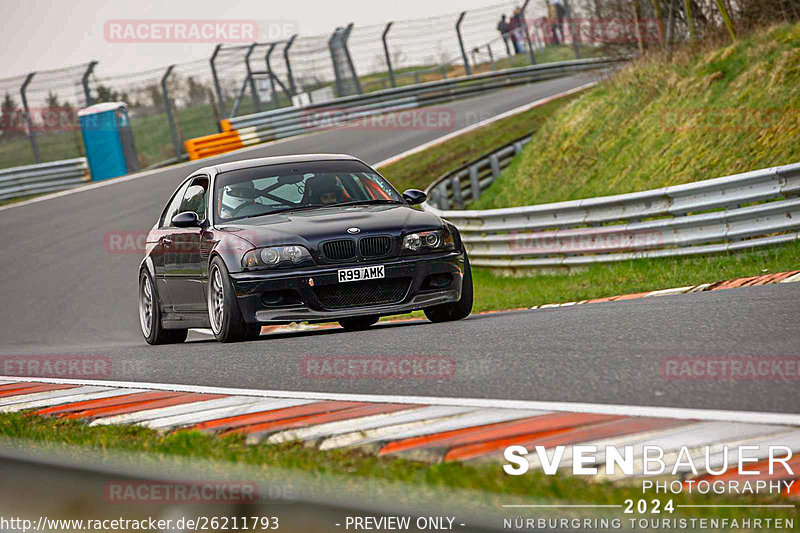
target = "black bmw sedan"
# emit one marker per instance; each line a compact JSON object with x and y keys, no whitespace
{"x":309,"y":238}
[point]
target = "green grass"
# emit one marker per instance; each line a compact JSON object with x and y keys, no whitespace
{"x":420,"y":169}
{"x":493,"y":291}
{"x":487,"y":477}
{"x":628,"y":134}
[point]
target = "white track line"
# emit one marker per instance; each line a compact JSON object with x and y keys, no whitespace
{"x":753,"y":417}
{"x":510,"y":113}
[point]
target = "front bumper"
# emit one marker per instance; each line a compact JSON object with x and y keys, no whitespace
{"x":251,"y":288}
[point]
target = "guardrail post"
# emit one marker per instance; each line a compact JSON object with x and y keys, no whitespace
{"x":345,"y":38}
{"x":289,"y":43}
{"x":31,"y":131}
{"x":170,"y":117}
{"x":475,"y":183}
{"x":252,"y":82}
{"x":87,"y":94}
{"x":275,"y":102}
{"x":458,"y":199}
{"x":494,"y":161}
{"x":527,"y":31}
{"x":467,"y":68}
{"x":216,"y":79}
{"x":387,"y":54}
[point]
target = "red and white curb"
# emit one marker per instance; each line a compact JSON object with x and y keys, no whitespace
{"x":415,"y":427}
{"x":753,"y":281}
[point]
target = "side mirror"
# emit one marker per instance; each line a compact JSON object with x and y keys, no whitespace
{"x":187,"y":219}
{"x":414,"y":196}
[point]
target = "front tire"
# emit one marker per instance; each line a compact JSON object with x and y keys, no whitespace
{"x":150,"y":315}
{"x":223,"y":309}
{"x":455,"y":310}
{"x":358,"y":323}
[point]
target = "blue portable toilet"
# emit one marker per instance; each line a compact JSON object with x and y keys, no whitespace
{"x":108,"y":140}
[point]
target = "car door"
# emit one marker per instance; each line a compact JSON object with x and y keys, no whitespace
{"x":163,"y":252}
{"x":185,"y":272}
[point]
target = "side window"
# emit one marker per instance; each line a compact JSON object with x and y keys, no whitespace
{"x":172,"y":208}
{"x":194,"y":199}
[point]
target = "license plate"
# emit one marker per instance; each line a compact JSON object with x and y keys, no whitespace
{"x":361,"y":273}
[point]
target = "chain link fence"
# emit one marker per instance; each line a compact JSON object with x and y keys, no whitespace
{"x":170,"y":104}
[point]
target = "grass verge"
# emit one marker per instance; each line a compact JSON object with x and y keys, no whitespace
{"x":483,"y":477}
{"x":420,"y":169}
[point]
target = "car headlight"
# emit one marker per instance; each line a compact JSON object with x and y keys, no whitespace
{"x":428,"y":241}
{"x":275,"y":256}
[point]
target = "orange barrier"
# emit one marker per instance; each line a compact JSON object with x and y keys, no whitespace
{"x":215,"y":144}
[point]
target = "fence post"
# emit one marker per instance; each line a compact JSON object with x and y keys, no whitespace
{"x":275,"y":102}
{"x":170,"y":117}
{"x":572,"y":31}
{"x":387,"y":54}
{"x":87,"y":94}
{"x":491,"y":57}
{"x":335,"y":63}
{"x":31,"y":131}
{"x":216,"y":79}
{"x":251,"y":81}
{"x":527,"y":31}
{"x":289,"y":43}
{"x":467,"y":68}
{"x":345,"y":38}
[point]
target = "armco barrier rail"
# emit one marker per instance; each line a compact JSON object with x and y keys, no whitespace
{"x":44,"y":177}
{"x":743,"y":211}
{"x":286,"y":122}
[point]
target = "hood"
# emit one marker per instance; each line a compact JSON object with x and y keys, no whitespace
{"x":310,"y":227}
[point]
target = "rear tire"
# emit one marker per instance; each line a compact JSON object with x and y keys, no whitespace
{"x":223,"y":309}
{"x":150,"y":315}
{"x":455,"y":310}
{"x":358,"y":323}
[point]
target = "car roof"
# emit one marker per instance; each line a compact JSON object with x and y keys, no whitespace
{"x":277,"y":160}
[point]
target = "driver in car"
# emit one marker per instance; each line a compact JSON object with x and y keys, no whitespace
{"x":323,"y":190}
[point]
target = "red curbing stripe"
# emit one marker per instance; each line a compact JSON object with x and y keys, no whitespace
{"x":146,"y":405}
{"x":525,"y":426}
{"x":105,"y":402}
{"x":783,"y":275}
{"x":321,"y":418}
{"x":18,"y":385}
{"x":631,"y":296}
{"x":563,"y":437}
{"x":231,"y":422}
{"x":38,"y":387}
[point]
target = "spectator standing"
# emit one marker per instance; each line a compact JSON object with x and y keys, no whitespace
{"x":515,"y":27}
{"x":551,"y":35}
{"x":561,"y":15}
{"x":503,"y":28}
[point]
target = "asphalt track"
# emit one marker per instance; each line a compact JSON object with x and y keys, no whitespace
{"x":64,"y":293}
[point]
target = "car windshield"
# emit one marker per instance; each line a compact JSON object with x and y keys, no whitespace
{"x":272,"y":189}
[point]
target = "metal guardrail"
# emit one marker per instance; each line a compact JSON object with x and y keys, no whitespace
{"x":44,"y":177}
{"x":286,"y":122}
{"x":736,"y":212}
